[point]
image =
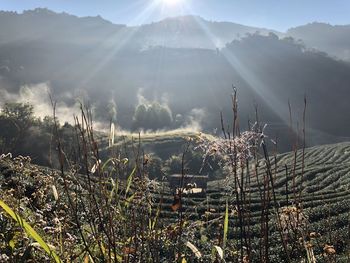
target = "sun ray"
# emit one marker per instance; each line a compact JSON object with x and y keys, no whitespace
{"x":253,"y":81}
{"x":113,"y":44}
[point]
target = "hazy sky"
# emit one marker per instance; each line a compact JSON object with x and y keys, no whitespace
{"x":275,"y":14}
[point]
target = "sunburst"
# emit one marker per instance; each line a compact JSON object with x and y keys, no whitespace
{"x":172,"y":2}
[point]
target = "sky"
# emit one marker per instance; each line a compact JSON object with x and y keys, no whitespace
{"x":273,"y":14}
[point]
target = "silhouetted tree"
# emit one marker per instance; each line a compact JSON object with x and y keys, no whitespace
{"x":15,"y":120}
{"x":20,"y":113}
{"x":152,"y":116}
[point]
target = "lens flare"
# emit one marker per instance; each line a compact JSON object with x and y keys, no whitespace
{"x":172,"y":2}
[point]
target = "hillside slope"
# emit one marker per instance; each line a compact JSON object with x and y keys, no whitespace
{"x":332,"y":39}
{"x":92,"y":59}
{"x":324,"y":199}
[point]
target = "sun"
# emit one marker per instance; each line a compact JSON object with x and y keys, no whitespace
{"x":172,"y":2}
{"x":170,"y":8}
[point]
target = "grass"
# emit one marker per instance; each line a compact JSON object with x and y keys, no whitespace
{"x":30,"y":231}
{"x":332,"y":222}
{"x":283,"y":208}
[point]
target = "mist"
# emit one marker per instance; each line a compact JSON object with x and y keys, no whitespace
{"x":38,"y":96}
{"x":114,"y":68}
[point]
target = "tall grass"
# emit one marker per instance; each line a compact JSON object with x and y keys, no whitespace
{"x":30,"y":231}
{"x":113,"y":212}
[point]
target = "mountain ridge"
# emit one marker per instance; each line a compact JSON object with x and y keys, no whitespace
{"x":332,"y":39}
{"x":187,"y":31}
{"x":106,"y":63}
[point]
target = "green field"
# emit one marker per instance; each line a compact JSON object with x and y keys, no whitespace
{"x":324,"y":198}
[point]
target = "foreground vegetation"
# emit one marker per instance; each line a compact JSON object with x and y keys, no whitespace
{"x":282,"y":208}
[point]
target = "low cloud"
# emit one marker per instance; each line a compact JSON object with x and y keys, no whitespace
{"x":38,"y":96}
{"x":195,"y":119}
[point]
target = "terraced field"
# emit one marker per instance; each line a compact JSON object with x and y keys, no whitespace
{"x":163,"y":144}
{"x":324,"y":197}
{"x":325,"y":182}
{"x":326,"y":175}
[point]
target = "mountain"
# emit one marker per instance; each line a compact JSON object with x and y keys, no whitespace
{"x":334,"y":40}
{"x":45,"y":25}
{"x":101,"y":62}
{"x":179,"y":32}
{"x":194,"y":32}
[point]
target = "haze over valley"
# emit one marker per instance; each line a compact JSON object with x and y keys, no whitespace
{"x":187,"y":64}
{"x":174,"y":131}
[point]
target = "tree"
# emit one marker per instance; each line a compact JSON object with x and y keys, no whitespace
{"x":112,"y":110}
{"x":165,"y":117}
{"x":21,"y":113}
{"x":154,"y":167}
{"x":106,"y":111}
{"x":174,"y":164}
{"x":140,"y":115}
{"x":48,"y":123}
{"x":15,"y":121}
{"x":152,"y":116}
